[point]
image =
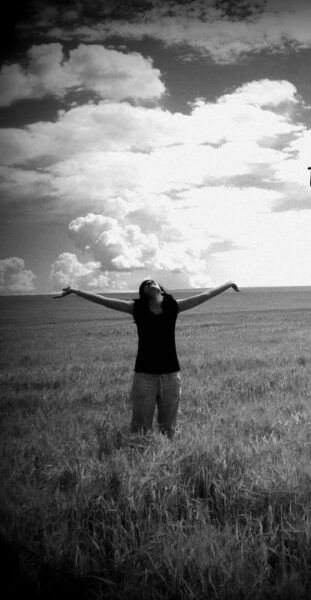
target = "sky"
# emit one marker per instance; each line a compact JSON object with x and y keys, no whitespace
{"x":154,"y":138}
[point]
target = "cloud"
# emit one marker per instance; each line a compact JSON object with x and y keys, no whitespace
{"x":294,"y":169}
{"x":225,"y":35}
{"x":118,"y":247}
{"x":221,"y":233}
{"x":123,"y":246}
{"x":14,"y":278}
{"x":263,"y":93}
{"x":108,"y":156}
{"x":106,"y":126}
{"x":271,"y":248}
{"x":292,"y":176}
{"x":255,"y":111}
{"x":151,"y":192}
{"x":109,"y":74}
{"x":21,"y":185}
{"x":68,"y":269}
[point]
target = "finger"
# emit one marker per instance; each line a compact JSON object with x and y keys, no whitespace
{"x":61,"y":295}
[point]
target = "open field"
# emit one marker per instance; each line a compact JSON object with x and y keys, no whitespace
{"x":222,"y":512}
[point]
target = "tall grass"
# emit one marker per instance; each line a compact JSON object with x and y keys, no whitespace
{"x":221,"y":512}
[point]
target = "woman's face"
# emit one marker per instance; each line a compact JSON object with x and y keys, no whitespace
{"x":151,"y":287}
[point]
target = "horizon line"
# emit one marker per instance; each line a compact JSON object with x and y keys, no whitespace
{"x":174,"y":290}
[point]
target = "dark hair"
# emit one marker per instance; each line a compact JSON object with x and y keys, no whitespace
{"x":141,"y":304}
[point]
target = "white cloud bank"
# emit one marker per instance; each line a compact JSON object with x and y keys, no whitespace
{"x":14,"y":278}
{"x":114,"y":158}
{"x":109,"y":74}
{"x":251,"y":118}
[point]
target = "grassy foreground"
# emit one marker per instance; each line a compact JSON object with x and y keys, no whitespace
{"x":222,"y":512}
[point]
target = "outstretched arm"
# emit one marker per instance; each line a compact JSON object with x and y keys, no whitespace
{"x":121,"y":305}
{"x":193,"y":301}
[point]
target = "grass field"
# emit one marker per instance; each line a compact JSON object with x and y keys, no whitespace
{"x":221,"y":512}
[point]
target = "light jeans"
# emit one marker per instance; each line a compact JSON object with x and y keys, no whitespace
{"x":147,"y":391}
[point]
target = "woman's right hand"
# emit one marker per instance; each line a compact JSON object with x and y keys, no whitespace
{"x":66,"y":291}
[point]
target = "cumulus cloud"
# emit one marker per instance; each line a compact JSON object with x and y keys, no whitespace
{"x":253,"y":111}
{"x":109,"y":74}
{"x":106,"y":126}
{"x":263,"y":93}
{"x":68,"y":269}
{"x":117,"y":246}
{"x":123,"y":246}
{"x":225,"y":34}
{"x":112,"y":152}
{"x":14,"y":278}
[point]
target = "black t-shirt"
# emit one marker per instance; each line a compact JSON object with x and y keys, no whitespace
{"x":156,"y":338}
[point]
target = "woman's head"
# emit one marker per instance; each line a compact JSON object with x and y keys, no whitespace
{"x":149,"y":288}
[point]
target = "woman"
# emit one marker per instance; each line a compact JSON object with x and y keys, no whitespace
{"x":156,"y":377}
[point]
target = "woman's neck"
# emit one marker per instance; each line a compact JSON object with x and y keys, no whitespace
{"x":155,"y":303}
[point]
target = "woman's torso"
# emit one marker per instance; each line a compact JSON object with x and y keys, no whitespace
{"x":156,"y":339}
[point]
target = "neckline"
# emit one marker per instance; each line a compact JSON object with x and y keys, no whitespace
{"x":156,"y":314}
